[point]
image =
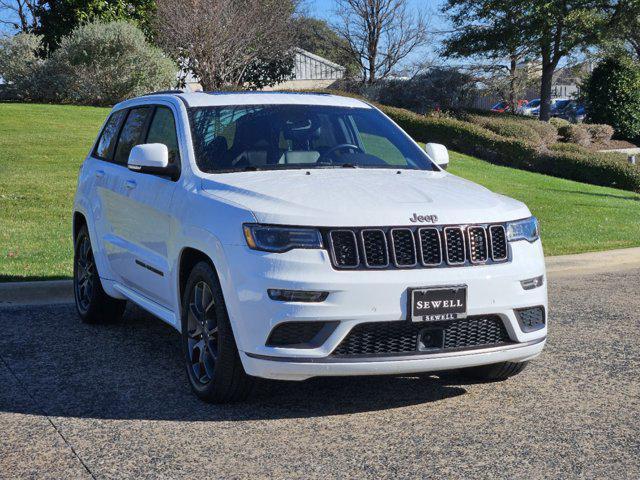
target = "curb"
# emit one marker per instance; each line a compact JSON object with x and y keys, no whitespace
{"x":596,"y":262}
{"x":48,"y":292}
{"x":55,"y":292}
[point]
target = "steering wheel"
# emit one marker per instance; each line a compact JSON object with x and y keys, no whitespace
{"x":341,"y":146}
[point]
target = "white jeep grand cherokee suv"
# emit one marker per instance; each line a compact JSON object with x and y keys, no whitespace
{"x":289,"y":236}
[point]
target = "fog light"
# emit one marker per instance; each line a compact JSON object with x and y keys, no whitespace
{"x":532,"y":283}
{"x":296,"y":295}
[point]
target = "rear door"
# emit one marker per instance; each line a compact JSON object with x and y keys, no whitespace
{"x":103,"y":177}
{"x":142,"y":222}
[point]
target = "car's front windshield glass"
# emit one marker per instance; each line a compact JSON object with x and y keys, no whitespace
{"x":273,"y":137}
{"x":534,"y":103}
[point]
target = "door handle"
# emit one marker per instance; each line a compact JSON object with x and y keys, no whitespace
{"x":99,"y":173}
{"x":130,"y":184}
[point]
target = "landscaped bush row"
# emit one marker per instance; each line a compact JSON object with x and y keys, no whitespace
{"x":580,"y":165}
{"x":97,"y":64}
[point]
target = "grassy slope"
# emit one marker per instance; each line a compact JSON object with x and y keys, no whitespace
{"x":41,"y":147}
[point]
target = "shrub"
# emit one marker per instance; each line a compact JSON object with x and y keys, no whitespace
{"x":507,"y":127}
{"x":577,"y":134}
{"x":612,"y":96}
{"x":19,"y":65}
{"x":105,"y":63}
{"x":559,"y":122}
{"x":568,"y":147}
{"x":464,"y":137}
{"x":600,"y":133}
{"x":547,"y":132}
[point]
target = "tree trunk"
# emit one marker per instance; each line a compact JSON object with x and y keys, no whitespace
{"x":372,"y":69}
{"x":545,"y":91}
{"x":513,"y":101}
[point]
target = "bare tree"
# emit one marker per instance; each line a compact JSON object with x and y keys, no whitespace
{"x":225,"y":41}
{"x":380,"y":34}
{"x":20,"y":15}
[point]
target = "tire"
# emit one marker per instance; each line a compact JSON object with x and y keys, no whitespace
{"x":496,"y":372}
{"x":92,"y":302}
{"x":212,"y":361}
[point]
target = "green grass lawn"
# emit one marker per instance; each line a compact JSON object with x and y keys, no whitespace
{"x":41,"y":147}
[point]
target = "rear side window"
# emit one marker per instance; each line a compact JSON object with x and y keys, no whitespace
{"x":163,"y":130}
{"x":107,"y":143}
{"x":131,"y":134}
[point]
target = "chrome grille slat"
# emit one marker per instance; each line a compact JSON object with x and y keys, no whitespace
{"x":436,"y":246}
{"x":403,"y":247}
{"x":344,"y":248}
{"x":376,"y":249}
{"x":478,"y":245}
{"x":498,"y":242}
{"x":454,"y":246}
{"x":430,"y":246}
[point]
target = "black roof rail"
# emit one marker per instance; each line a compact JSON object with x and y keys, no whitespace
{"x":164,"y":92}
{"x":264,"y":92}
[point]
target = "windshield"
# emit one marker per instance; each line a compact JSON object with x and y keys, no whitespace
{"x":268,"y":137}
{"x":533,"y":103}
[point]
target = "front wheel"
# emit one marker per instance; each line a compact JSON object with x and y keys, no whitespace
{"x":92,"y":302}
{"x":496,"y":372}
{"x":212,"y":360}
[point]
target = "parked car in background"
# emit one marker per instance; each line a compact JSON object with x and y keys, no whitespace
{"x":506,"y":107}
{"x":529,"y":107}
{"x":500,"y":107}
{"x":289,"y":236}
{"x":573,"y":112}
{"x":556,"y":103}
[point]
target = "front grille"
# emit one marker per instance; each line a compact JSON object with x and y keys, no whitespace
{"x":531,"y":319}
{"x":406,"y":338}
{"x":416,"y":247}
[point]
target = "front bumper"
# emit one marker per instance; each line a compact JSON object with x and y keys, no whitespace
{"x":291,"y":368}
{"x":369,"y":296}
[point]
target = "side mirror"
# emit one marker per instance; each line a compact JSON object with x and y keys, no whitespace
{"x":438,"y":153}
{"x":150,"y":158}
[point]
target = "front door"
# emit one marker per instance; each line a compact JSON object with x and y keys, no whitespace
{"x":142,"y":223}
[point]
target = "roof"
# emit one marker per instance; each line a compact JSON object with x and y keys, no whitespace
{"x":214,"y":99}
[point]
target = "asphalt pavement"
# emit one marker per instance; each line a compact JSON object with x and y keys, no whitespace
{"x":80,"y":401}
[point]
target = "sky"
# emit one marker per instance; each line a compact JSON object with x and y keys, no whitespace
{"x":325,"y":9}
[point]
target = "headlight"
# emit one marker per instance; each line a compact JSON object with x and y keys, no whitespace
{"x":526,"y":229}
{"x":281,"y":239}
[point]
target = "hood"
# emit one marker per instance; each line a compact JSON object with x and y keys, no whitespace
{"x":361,"y":197}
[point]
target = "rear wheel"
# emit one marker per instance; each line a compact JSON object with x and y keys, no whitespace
{"x":92,"y":302}
{"x":212,"y":360}
{"x":495,"y":372}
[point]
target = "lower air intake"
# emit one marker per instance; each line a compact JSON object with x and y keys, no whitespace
{"x":406,"y":338}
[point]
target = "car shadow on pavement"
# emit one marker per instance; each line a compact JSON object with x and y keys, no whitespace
{"x":53,"y":364}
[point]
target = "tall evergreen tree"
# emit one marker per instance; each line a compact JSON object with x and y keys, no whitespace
{"x":548,"y":30}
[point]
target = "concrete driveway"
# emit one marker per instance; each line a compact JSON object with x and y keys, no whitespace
{"x":112,"y":402}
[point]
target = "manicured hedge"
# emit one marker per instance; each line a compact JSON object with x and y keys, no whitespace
{"x":596,"y":168}
{"x":579,"y":164}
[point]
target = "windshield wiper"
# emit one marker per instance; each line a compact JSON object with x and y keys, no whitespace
{"x":333,"y":165}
